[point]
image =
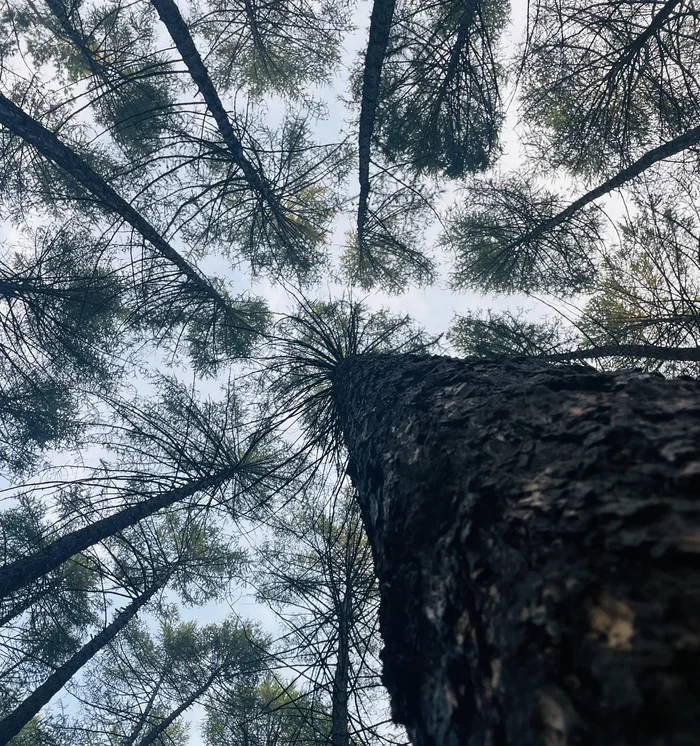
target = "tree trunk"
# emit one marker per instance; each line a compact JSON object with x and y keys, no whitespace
{"x":654,"y":352}
{"x":379,"y":28}
{"x":171,"y":17}
{"x":536,"y":533}
{"x":48,"y":144}
{"x":143,"y":717}
{"x":157,"y":730}
{"x":11,"y":725}
{"x":664,"y":151}
{"x":339,"y":714}
{"x":21,"y":572}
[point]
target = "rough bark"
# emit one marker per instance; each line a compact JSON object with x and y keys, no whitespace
{"x":655,"y":352}
{"x":13,"y":723}
{"x":536,"y":533}
{"x":21,"y":572}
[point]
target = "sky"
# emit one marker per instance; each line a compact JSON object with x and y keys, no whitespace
{"x":432,"y":307}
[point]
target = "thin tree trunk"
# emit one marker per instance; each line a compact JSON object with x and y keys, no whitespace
{"x":19,"y":573}
{"x":662,"y":152}
{"x":21,"y":288}
{"x":636,"y":46}
{"x":13,"y":723}
{"x":19,"y":608}
{"x":380,"y":25}
{"x":179,"y":32}
{"x":143,"y":718}
{"x":536,"y":534}
{"x":625,"y":350}
{"x":46,"y":142}
{"x":60,"y":14}
{"x":339,"y":703}
{"x":175,"y":714}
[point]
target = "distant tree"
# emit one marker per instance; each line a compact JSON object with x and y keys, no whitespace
{"x":509,"y":334}
{"x":317,"y":574}
{"x":439,"y":96}
{"x":605,"y":82}
{"x":497,"y":245}
{"x":176,"y":451}
{"x":142,"y":686}
{"x":138,"y":565}
{"x":391,"y":253}
{"x":266,"y":711}
{"x":273,"y":46}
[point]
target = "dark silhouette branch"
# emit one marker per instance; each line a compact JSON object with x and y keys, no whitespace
{"x":380,"y":25}
{"x":179,"y":32}
{"x":157,"y":730}
{"x":13,"y":723}
{"x":19,"y":573}
{"x":48,"y":144}
{"x":662,"y":152}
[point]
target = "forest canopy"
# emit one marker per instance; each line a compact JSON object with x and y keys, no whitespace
{"x":205,"y":207}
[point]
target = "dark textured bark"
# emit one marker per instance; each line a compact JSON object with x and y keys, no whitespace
{"x":51,"y":147}
{"x":379,"y":27}
{"x":536,"y":533}
{"x":339,"y":699}
{"x":19,"y":573}
{"x":11,"y":725}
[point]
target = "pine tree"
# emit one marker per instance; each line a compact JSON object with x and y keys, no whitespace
{"x":317,"y":574}
{"x":533,"y":526}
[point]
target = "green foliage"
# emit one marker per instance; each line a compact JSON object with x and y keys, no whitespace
{"x":649,"y":293}
{"x":267,"y":712}
{"x":139,"y":682}
{"x":136,"y":112}
{"x":508,"y":335}
{"x":499,"y":245}
{"x":273,"y":46}
{"x":213,"y":343}
{"x":284,"y":237}
{"x":61,"y":310}
{"x":439,"y":103}
{"x":317,"y":573}
{"x":390,"y":255}
{"x":312,"y":343}
{"x":605,"y":81}
{"x":44,"y":624}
